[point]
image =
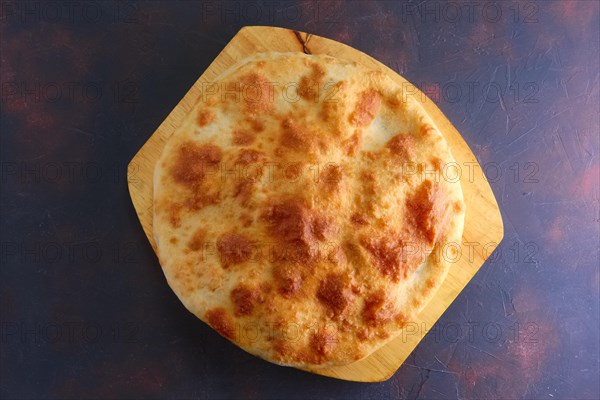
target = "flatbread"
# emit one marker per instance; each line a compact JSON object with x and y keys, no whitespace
{"x":306,"y":208}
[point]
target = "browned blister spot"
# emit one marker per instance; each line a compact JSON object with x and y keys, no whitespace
{"x":287,"y":278}
{"x":333,"y":106}
{"x":429,"y":284}
{"x":436,"y":162}
{"x":257,"y":93}
{"x":322,"y":343}
{"x":243,"y":137}
{"x":291,"y":223}
{"x":402,"y":146}
{"x":193,"y":161}
{"x":249,"y":156}
{"x":352,"y":144}
{"x":331,"y":113}
{"x":323,"y":228}
{"x":256,"y":124}
{"x":386,"y":254}
{"x":377,"y":311}
{"x":250,"y":170}
{"x":174,"y":211}
{"x":457,"y":206}
{"x":359,"y":219}
{"x":234,"y":248}
{"x":352,"y":251}
{"x":310,"y":85}
{"x":221,"y":321}
{"x":197,"y":240}
{"x":244,"y":190}
{"x":335,"y":294}
{"x":402,"y":319}
{"x":205,"y":117}
{"x":295,"y":137}
{"x":337,"y":256}
{"x":367,"y":107}
{"x":331,"y":177}
{"x":202,"y":196}
{"x":414,"y":303}
{"x":396,"y":101}
{"x":426,"y":130}
{"x":369,"y":182}
{"x":244,"y":299}
{"x":297,"y":229}
{"x":290,"y":220}
{"x":282,"y":349}
{"x":422,"y":211}
{"x":293,"y":171}
{"x":246,"y":220}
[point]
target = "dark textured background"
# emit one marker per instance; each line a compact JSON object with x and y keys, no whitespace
{"x":85,"y":310}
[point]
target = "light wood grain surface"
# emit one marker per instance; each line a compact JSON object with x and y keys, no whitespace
{"x":483,"y":223}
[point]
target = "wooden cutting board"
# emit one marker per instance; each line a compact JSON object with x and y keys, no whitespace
{"x":483,"y":224}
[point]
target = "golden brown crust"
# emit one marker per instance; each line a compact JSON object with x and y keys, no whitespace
{"x":221,"y":321}
{"x":366,"y":108}
{"x":299,"y":210}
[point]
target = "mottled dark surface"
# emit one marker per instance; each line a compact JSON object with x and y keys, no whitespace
{"x":85,"y":310}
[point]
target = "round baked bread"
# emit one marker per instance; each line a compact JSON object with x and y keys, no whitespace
{"x":307,"y":208}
